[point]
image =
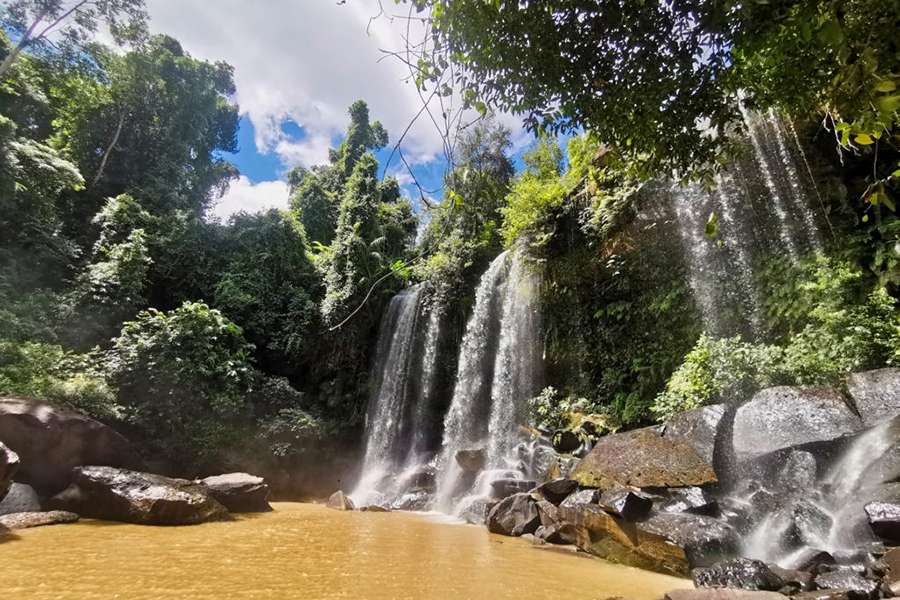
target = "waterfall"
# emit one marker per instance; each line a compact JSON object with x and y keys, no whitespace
{"x":831,"y":517}
{"x":397,"y":435}
{"x":763,"y":208}
{"x":499,"y":369}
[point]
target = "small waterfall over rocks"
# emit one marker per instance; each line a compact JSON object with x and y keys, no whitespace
{"x":763,"y":208}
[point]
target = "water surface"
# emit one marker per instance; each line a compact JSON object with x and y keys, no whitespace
{"x":305,"y":551}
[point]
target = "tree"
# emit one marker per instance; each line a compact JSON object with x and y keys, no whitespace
{"x":75,"y":22}
{"x":314,"y":205}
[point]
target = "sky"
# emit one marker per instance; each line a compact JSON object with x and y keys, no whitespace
{"x":298,"y":65}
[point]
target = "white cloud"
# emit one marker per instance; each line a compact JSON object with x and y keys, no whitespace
{"x":243,"y":195}
{"x":304,"y":60}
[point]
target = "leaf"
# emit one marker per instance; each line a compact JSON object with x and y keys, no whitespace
{"x":888,"y":104}
{"x":831,"y":33}
{"x":886,"y":86}
{"x":712,"y":226}
{"x":864,"y":139}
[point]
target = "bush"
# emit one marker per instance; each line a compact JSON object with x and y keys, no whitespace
{"x":552,"y":412}
{"x":182,"y":376}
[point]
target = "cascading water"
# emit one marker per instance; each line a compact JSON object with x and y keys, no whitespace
{"x":831,"y":517}
{"x":396,"y":433}
{"x":499,"y":369}
{"x":762,"y":205}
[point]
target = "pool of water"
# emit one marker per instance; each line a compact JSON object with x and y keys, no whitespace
{"x":305,"y":551}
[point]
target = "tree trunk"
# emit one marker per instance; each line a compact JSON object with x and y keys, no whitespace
{"x":109,"y":150}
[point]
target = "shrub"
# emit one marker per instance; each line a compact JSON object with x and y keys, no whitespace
{"x":552,"y":412}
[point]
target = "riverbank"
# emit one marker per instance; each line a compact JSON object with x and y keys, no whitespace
{"x":305,"y":551}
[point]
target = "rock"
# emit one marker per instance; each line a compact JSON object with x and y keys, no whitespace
{"x":794,"y":580}
{"x":133,"y":497}
{"x":565,"y":441}
{"x":239,"y":492}
{"x":472,"y":460}
{"x":581,"y":497}
{"x":561,"y":466}
{"x":642,"y":458}
{"x":809,"y":524}
{"x":846,"y":579}
{"x":721,"y":594}
{"x":876,"y":394}
{"x":837,"y":594}
{"x":799,"y":472}
{"x":811,"y":560}
{"x":557,"y":490}
{"x":416,"y":500}
{"x":884,"y":517}
{"x":698,"y":428}
{"x":781,"y":417}
{"x":514,"y":515}
{"x":507,"y":486}
{"x":742,"y":573}
{"x":9,"y":464}
{"x":375,"y":508}
{"x":629,"y":503}
{"x":691,"y":499}
{"x":51,"y":441}
{"x":340,"y":501}
{"x":21,"y":498}
{"x":553,"y":529}
{"x":423,"y":477}
{"x":25,"y":520}
{"x":475,"y":510}
{"x":703,"y":539}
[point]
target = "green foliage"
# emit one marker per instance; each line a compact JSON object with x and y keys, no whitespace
{"x":182,"y":376}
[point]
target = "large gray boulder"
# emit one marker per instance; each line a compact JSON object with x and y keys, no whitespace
{"x":742,"y":573}
{"x":704,"y":540}
{"x":133,"y":497}
{"x":698,"y":428}
{"x":876,"y":394}
{"x":21,"y":498}
{"x":51,"y":441}
{"x":515,"y":515}
{"x":642,"y":458}
{"x":782,"y":417}
{"x":239,"y":492}
{"x":9,"y":464}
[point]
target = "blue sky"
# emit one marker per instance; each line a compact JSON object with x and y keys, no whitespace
{"x":298,"y":66}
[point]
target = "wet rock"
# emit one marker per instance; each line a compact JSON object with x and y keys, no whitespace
{"x":471,"y":460}
{"x":25,"y":520}
{"x":507,"y":486}
{"x":424,"y":477}
{"x":836,"y":594}
{"x":721,"y":594}
{"x":884,"y":519}
{"x":557,"y":490}
{"x":416,"y":500}
{"x":239,"y":492}
{"x":698,"y":428}
{"x":340,"y":501}
{"x":629,"y":503}
{"x":514,"y":515}
{"x":812,"y":560}
{"x":846,"y":579}
{"x":799,"y":472}
{"x":809,"y":524}
{"x":794,"y":580}
{"x":375,"y":508}
{"x":642,"y":458}
{"x":9,"y":464}
{"x":134,"y":497}
{"x":21,"y":498}
{"x":876,"y":394}
{"x":565,"y":441}
{"x":51,"y":441}
{"x":688,"y":499}
{"x":475,"y":510}
{"x":703,"y":539}
{"x":553,"y":529}
{"x":782,"y":417}
{"x":561,"y":466}
{"x":581,"y":497}
{"x":891,"y":561}
{"x":743,"y":573}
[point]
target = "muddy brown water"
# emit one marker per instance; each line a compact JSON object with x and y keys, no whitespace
{"x":305,"y":551}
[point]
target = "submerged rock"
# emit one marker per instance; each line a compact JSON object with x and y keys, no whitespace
{"x":721,"y":594}
{"x":25,"y":520}
{"x":9,"y":464}
{"x":782,"y":417}
{"x":642,"y":458}
{"x":134,"y":497}
{"x":876,"y":394}
{"x":239,"y":492}
{"x":21,"y":498}
{"x":557,"y":490}
{"x":884,"y":517}
{"x":471,"y":460}
{"x":514,"y":515}
{"x":415,"y":500}
{"x":507,"y":486}
{"x":743,"y":573}
{"x":629,"y":503}
{"x":698,"y":428}
{"x":340,"y":501}
{"x":51,"y":441}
